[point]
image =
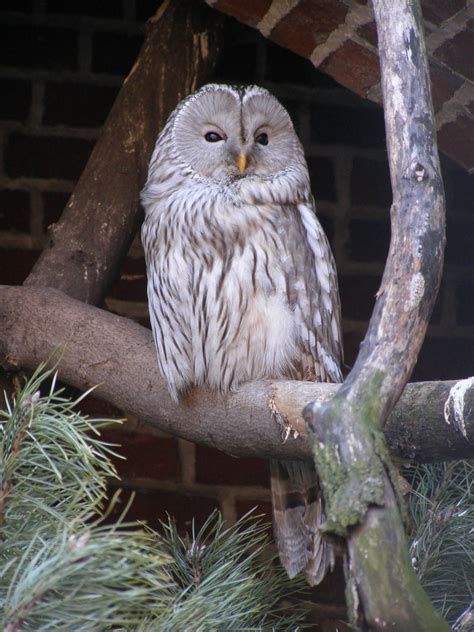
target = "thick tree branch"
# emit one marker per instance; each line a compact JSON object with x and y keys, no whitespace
{"x":119,"y":355}
{"x":349,"y":449}
{"x":87,"y":245}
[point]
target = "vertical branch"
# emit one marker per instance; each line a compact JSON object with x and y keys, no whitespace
{"x":86,"y":246}
{"x":349,"y":447}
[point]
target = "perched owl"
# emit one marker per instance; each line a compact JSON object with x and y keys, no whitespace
{"x":241,"y":280}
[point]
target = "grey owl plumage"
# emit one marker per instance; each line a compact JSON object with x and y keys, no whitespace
{"x":241,"y":281}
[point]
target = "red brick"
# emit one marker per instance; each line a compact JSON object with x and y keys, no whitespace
{"x":354,"y":67}
{"x":329,"y":618}
{"x":236,"y":63}
{"x":465,"y":302}
{"x":15,"y":265}
{"x":323,"y":184}
{"x":16,"y":99}
{"x":458,"y":186}
{"x":369,"y":240}
{"x":459,"y":243}
{"x":147,"y":456}
{"x":436,"y":314}
{"x":331,"y":590}
{"x":247,"y":11}
{"x":369,"y":32}
{"x":444,"y":359}
{"x":217,"y":468}
{"x":99,"y":409}
{"x":444,"y":84}
{"x":284,"y":66}
{"x":437,"y":11}
{"x":38,"y":47}
{"x":358,"y":296}
{"x":114,"y":52}
{"x":259,"y":507}
{"x":103,"y":9}
{"x":458,"y":52}
{"x":327,"y":223}
{"x":14,"y":211}
{"x":77,"y":104}
{"x":19,"y":6}
{"x":344,"y":125}
{"x":131,"y":286}
{"x":352,"y":341}
{"x":144,"y":9}
{"x":308,"y":25}
{"x":154,"y":505}
{"x":53,"y":206}
{"x":455,"y":139}
{"x":46,"y":157}
{"x":144,"y":322}
{"x":370,"y":182}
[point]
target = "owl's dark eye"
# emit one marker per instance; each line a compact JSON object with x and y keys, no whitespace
{"x":213,"y":137}
{"x":262,"y":139}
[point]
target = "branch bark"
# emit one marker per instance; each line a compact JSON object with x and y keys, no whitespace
{"x":349,"y":448}
{"x":119,"y":355}
{"x":100,"y":220}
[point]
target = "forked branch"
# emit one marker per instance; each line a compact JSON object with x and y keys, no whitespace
{"x":349,"y":447}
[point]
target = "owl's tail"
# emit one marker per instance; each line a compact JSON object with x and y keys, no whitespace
{"x":297,"y":516}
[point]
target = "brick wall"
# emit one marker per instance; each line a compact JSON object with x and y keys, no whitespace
{"x":61,"y":65}
{"x":340,"y":37}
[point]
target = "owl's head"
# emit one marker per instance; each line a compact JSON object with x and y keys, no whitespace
{"x":225,"y":132}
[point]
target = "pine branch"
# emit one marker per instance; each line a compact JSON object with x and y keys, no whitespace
{"x":442,"y":544}
{"x":62,"y":569}
{"x":228,"y":579}
{"x":50,"y":470}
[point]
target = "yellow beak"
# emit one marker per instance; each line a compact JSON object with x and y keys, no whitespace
{"x":242,"y":162}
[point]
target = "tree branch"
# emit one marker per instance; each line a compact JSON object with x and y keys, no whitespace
{"x":88,"y":243}
{"x":119,"y":355}
{"x":349,"y":449}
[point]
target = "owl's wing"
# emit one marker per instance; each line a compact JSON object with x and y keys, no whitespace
{"x":313,"y":295}
{"x":312,"y":292}
{"x":168,"y":303}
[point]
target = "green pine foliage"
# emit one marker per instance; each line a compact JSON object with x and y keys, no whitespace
{"x":441,"y":507}
{"x":233,"y":561}
{"x":61,"y":568}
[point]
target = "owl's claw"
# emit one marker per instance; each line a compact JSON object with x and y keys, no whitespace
{"x":286,"y":429}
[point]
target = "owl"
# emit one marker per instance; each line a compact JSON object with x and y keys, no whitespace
{"x":241,"y":280}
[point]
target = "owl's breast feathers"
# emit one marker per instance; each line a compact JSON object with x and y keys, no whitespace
{"x":241,"y":281}
{"x":239,"y":287}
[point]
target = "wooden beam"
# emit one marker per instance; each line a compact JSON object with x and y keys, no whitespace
{"x":87,"y":245}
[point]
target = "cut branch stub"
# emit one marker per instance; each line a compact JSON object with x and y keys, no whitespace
{"x":101,"y":218}
{"x":349,"y":448}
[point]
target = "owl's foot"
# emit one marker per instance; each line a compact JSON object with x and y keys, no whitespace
{"x":286,"y":429}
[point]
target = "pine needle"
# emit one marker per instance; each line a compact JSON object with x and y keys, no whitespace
{"x":441,"y":506}
{"x":61,"y":568}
